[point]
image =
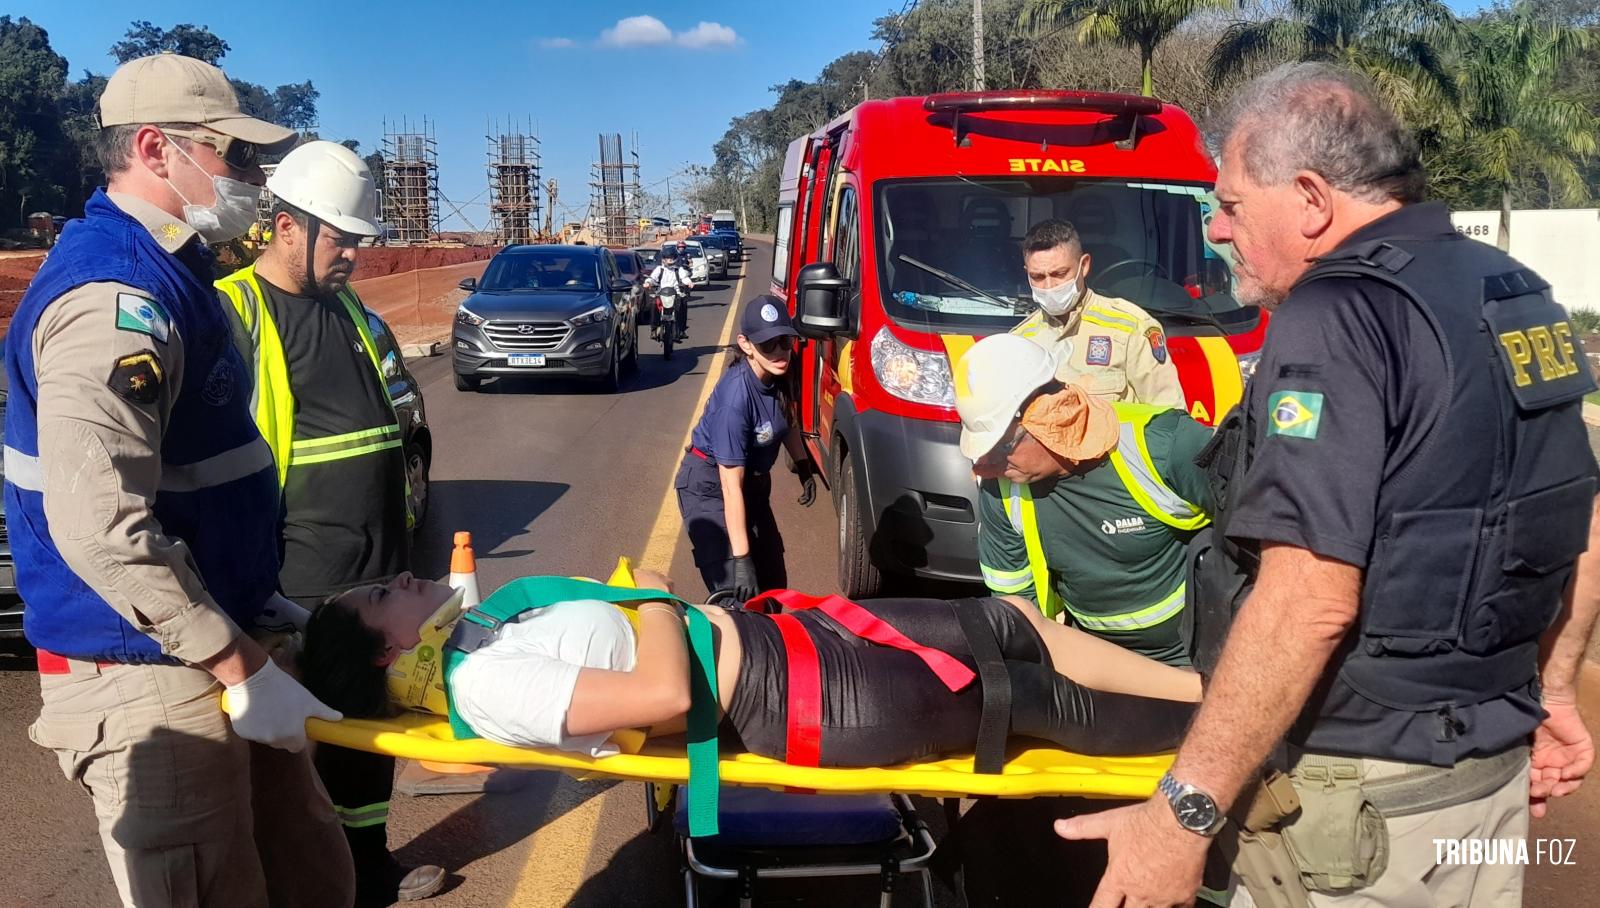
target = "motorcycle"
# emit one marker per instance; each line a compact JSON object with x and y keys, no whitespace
{"x":666,"y":324}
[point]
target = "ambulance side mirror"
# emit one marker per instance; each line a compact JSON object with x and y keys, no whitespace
{"x":822,"y":301}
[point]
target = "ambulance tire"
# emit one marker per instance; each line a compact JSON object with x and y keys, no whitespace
{"x":859,"y":578}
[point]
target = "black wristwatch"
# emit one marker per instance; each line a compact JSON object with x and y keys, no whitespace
{"x":1195,"y":810}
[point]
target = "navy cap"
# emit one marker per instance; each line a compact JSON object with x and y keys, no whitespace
{"x":765,"y":318}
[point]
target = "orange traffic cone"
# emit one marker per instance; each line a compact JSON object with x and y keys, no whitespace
{"x":464,"y":570}
{"x":463,"y":576}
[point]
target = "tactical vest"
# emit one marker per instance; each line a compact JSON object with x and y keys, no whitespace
{"x":218,"y":493}
{"x":1477,"y":538}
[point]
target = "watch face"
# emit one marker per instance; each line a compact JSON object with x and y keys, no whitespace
{"x":1196,"y":811}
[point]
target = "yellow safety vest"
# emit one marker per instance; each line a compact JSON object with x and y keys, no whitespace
{"x":1131,"y":459}
{"x":272,"y":396}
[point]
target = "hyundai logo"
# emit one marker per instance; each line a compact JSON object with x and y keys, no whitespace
{"x":524,"y":329}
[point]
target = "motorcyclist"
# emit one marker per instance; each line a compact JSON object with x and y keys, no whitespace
{"x":668,"y":273}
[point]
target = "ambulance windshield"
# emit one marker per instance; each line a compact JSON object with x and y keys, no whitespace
{"x":950,"y":251}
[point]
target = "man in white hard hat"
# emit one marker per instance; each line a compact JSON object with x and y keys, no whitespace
{"x":322,"y":402}
{"x":144,"y":519}
{"x":1086,"y":507}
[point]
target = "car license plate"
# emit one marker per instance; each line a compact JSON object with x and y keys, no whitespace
{"x":525,"y":359}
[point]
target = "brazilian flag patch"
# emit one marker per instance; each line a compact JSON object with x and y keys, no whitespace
{"x":1296,"y":414}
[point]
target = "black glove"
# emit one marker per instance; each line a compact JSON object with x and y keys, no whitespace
{"x":808,"y":483}
{"x":745,"y":586}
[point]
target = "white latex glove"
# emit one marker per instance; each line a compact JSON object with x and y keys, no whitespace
{"x":269,"y":707}
{"x":282,"y":615}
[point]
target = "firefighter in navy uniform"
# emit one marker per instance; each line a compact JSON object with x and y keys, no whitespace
{"x":1407,"y":495}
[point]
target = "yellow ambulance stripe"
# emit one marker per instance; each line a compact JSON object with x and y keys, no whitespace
{"x":1227,"y":388}
{"x":956,"y":346}
{"x":842,"y":369}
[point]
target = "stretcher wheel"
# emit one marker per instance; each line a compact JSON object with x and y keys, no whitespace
{"x":660,"y":803}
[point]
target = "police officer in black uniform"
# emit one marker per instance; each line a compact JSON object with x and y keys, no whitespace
{"x":1408,"y":492}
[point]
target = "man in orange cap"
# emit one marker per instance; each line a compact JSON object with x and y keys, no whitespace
{"x":1085,"y":506}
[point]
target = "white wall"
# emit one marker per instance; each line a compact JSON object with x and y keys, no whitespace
{"x":1562,"y":245}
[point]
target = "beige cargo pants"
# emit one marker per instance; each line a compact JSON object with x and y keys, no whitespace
{"x":191,"y":814}
{"x":1415,"y":878}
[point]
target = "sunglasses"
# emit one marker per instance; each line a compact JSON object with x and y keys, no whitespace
{"x":236,"y":153}
{"x":781,"y":342}
{"x":1003,"y":450}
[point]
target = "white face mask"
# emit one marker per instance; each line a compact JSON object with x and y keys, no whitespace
{"x":226,"y":218}
{"x":1058,"y":300}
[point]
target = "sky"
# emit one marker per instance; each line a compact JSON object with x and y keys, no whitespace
{"x":672,"y":73}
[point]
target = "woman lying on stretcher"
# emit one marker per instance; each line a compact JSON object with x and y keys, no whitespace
{"x":570,"y":674}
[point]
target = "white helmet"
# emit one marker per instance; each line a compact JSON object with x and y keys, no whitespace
{"x":993,"y":379}
{"x":332,"y":184}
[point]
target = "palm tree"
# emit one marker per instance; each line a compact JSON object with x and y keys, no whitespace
{"x":1398,"y":44}
{"x":1139,"y":24}
{"x":1510,"y":114}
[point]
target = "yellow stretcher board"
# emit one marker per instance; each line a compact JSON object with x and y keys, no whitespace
{"x":1029,"y":773}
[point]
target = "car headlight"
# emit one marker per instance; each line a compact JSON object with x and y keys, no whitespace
{"x":465,"y":316}
{"x":920,"y":376}
{"x":596,"y":316}
{"x":1248,"y":363}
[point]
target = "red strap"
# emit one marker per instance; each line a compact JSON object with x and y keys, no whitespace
{"x":698,"y":453}
{"x":870,"y":627}
{"x":52,"y":664}
{"x":804,"y":744}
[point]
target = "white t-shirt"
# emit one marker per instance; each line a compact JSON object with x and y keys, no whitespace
{"x":516,"y":691}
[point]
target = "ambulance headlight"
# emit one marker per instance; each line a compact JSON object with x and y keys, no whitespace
{"x":920,"y":376}
{"x":1248,"y":363}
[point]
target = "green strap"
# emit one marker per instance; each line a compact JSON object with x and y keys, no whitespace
{"x":527,"y":593}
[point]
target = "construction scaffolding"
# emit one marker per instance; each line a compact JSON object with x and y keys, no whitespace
{"x":513,"y":183}
{"x":410,"y":181}
{"x":614,"y":196}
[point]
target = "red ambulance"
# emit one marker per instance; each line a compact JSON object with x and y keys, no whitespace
{"x":881,"y":208}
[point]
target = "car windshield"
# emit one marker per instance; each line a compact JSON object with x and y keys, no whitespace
{"x":694,"y":252}
{"x":1146,"y":243}
{"x":541,"y":270}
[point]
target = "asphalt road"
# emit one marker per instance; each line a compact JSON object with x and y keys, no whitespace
{"x":552,"y":478}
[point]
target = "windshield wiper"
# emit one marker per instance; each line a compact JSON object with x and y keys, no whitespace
{"x":958,"y":283}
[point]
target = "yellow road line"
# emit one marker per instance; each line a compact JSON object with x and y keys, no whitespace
{"x":661,"y":546}
{"x":558,"y":853}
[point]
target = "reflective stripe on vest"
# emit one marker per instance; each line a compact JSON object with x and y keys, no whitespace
{"x":272,"y":396}
{"x":1140,"y":476}
{"x":1005,"y":582}
{"x":1106,"y":318}
{"x":339,"y":447}
{"x":1138,"y":620}
{"x":1026,"y":521}
{"x":24,"y":471}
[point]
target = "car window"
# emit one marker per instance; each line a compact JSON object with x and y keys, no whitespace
{"x":388,"y":350}
{"x":541,"y":269}
{"x":627,"y":264}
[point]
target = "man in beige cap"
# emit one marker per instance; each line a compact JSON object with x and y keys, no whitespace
{"x":144,"y":519}
{"x":1110,"y":346}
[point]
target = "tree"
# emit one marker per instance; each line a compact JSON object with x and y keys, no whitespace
{"x":33,"y":151}
{"x":295,"y":105}
{"x":144,"y":39}
{"x":1512,"y":116}
{"x":929,"y":48}
{"x":1398,"y":44}
{"x":1138,"y":24}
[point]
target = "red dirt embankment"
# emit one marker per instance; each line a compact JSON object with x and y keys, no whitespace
{"x":377,"y":261}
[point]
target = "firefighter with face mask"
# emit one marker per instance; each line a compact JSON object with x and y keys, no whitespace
{"x":322,"y":403}
{"x":144,"y":518}
{"x":1111,"y":347}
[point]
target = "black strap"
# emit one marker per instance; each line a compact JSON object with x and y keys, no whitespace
{"x":989,"y":755}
